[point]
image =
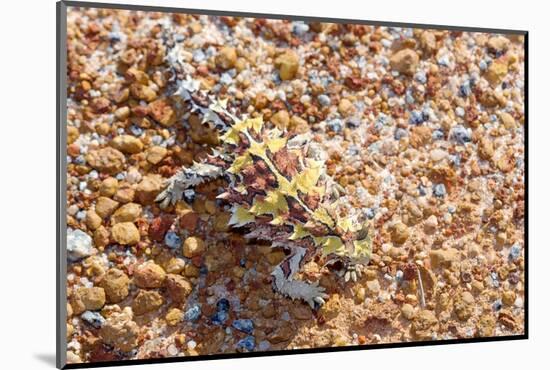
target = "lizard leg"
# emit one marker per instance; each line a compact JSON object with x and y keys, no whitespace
{"x":284,"y":281}
{"x":187,"y":178}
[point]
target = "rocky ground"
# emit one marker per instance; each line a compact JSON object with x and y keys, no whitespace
{"x":423,"y":128}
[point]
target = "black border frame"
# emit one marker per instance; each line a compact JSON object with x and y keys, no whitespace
{"x":61,"y":173}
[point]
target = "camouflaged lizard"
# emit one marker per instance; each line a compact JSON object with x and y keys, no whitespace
{"x":278,"y":191}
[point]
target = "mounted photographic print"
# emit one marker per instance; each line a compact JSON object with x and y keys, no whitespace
{"x":235,"y":184}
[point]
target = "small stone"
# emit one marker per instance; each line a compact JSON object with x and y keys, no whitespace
{"x":498,"y":44}
{"x":73,"y":358}
{"x":281,"y":119}
{"x":246,"y":344}
{"x":125,"y":233}
{"x":127,"y":213}
{"x":148,"y":189}
{"x":172,"y":240}
{"x":407,"y":310}
{"x":101,"y":236}
{"x":127,"y":144}
{"x":93,"y":221}
{"x":100,"y":105}
{"x":464,"y":306}
{"x":108,"y":187}
{"x":444,"y":257}
{"x":142,"y":92}
{"x":120,"y":331}
{"x":173,"y":317}
{"x":461,"y":135}
{"x":287,"y":64}
{"x":115,"y":283}
{"x":428,"y":42}
{"x":244,"y":325}
{"x":298,"y":125}
{"x":399,"y":233}
{"x":486,"y":149}
{"x":93,"y":318}
{"x":104,"y":206}
{"x":372,"y":287}
{"x":193,"y":313}
{"x":486,"y":326}
{"x":93,"y":298}
{"x":226,"y":58}
{"x":507,"y":120}
{"x":508,"y":297}
{"x":178,"y":287}
{"x":162,"y":112}
{"x":193,"y":246}
{"x":405,"y":61}
{"x":437,"y":155}
{"x":345,"y":107}
{"x":430,"y":225}
{"x":122,"y":113}
{"x":424,"y":325}
{"x":496,"y":72}
{"x":439,"y":190}
{"x":147,"y":301}
{"x":324,"y":100}
{"x":149,"y":275}
{"x":72,"y":134}
{"x":79,"y":245}
{"x":156,"y":154}
{"x":107,"y":160}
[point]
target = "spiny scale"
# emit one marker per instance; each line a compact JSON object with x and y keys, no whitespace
{"x":277,"y":191}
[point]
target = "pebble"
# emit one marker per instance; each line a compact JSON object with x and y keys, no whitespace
{"x":107,"y":160}
{"x":193,"y":246}
{"x":148,"y":189}
{"x":156,"y":154}
{"x":464,"y":306}
{"x":246,"y":344}
{"x":108,"y":187}
{"x":461,"y":135}
{"x":149,"y":275}
{"x":93,"y":298}
{"x":399,"y":233}
{"x":104,"y":206}
{"x":193,"y":313}
{"x":178,"y":287}
{"x":439,"y":190}
{"x":407,"y":310}
{"x":127,"y":213}
{"x":172,"y":240}
{"x":93,"y":318}
{"x":244,"y":325}
{"x":79,"y":245}
{"x":120,"y":331}
{"x":437,"y":155}
{"x":324,"y":100}
{"x":125,"y":233}
{"x":515,"y":252}
{"x":405,"y":61}
{"x":127,"y":144}
{"x":496,"y":72}
{"x":424,"y":325}
{"x":281,"y":119}
{"x":146,"y":301}
{"x":287,"y":64}
{"x":226,"y":58}
{"x":173,"y":317}
{"x":372,"y":287}
{"x":444,"y":257}
{"x":116,"y":284}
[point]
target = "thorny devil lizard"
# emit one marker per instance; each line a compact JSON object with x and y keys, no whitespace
{"x":278,"y":192}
